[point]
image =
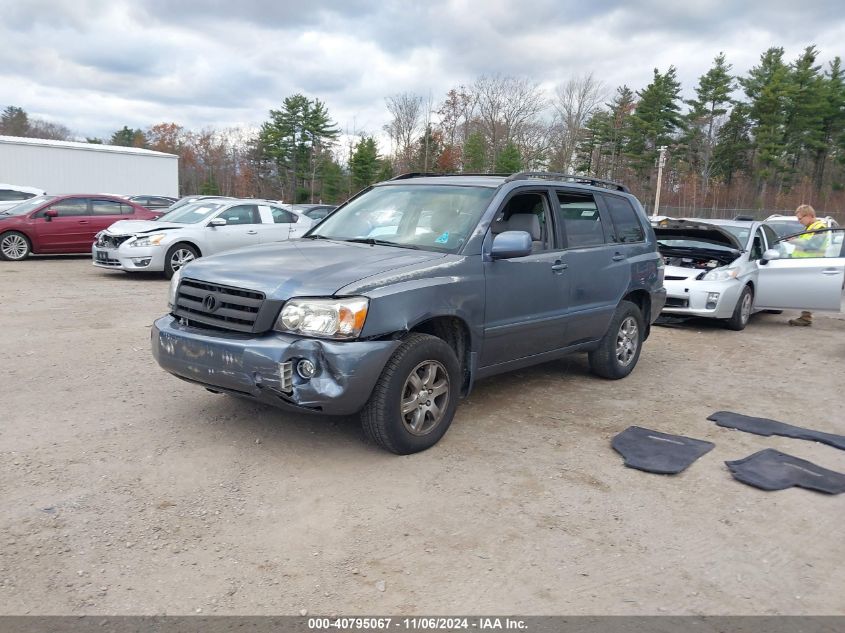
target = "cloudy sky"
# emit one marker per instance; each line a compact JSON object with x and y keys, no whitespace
{"x":96,"y":65}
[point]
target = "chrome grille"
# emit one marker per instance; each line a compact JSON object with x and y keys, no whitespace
{"x":218,"y":306}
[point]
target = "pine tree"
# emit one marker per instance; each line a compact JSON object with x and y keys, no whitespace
{"x":475,"y":154}
{"x":654,"y":122}
{"x":832,"y":121}
{"x":805,"y":114}
{"x":509,"y":160}
{"x":713,"y":96}
{"x":732,"y":153}
{"x":14,"y":122}
{"x":364,"y":164}
{"x":127,"y":137}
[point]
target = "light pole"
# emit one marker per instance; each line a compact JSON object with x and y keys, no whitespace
{"x":661,"y":161}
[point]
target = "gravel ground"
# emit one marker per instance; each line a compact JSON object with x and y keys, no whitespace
{"x":126,"y":491}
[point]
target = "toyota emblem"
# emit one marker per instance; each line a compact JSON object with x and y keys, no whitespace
{"x":209,"y":303}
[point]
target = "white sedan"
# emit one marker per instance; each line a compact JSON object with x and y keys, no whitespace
{"x":730,"y":269}
{"x":194,"y":230}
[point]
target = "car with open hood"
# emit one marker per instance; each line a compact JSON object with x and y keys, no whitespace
{"x":725,"y":269}
{"x":396,"y":303}
{"x":201,"y":228}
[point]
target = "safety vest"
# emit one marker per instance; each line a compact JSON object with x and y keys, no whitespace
{"x":820,"y":240}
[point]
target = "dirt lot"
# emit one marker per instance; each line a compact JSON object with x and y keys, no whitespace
{"x":125,"y":490}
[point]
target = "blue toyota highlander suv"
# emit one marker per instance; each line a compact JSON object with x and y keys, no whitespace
{"x":396,"y":303}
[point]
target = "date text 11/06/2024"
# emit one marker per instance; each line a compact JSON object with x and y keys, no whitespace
{"x":417,"y":624}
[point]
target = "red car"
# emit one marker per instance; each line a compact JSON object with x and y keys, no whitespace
{"x":62,"y":224}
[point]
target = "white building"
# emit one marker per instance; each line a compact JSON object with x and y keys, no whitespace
{"x":68,"y":167}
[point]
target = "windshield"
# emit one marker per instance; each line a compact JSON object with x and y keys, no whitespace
{"x":27,"y":206}
{"x":741,"y":233}
{"x":191,"y":213}
{"x":429,"y":217}
{"x":786,"y":227}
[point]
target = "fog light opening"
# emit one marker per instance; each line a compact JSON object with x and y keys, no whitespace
{"x":712,"y":300}
{"x":306,"y":369}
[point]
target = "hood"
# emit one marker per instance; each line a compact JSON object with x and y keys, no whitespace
{"x":697,"y":231}
{"x":133,"y":227}
{"x":302,"y":268}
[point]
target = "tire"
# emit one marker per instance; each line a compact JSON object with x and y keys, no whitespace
{"x":742,"y":310}
{"x":14,"y":246}
{"x":619,"y":349}
{"x":177,"y":256}
{"x":382,"y":419}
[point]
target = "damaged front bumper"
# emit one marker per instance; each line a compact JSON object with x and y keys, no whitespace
{"x":693,"y":297}
{"x":263,"y":367}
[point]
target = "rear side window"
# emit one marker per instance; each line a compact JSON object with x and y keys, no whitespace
{"x":280,"y":216}
{"x":580,"y":218}
{"x":106,"y":207}
{"x":7,"y":195}
{"x":626,"y":225}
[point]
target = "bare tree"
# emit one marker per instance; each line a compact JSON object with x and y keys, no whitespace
{"x":406,"y":109}
{"x":506,"y":105}
{"x":574,"y":103}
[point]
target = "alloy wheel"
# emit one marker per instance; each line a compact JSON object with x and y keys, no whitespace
{"x":180,"y":258}
{"x":425,"y":397}
{"x":627,"y":341}
{"x":14,"y":247}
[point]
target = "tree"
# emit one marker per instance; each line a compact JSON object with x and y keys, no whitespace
{"x":832,"y":120}
{"x":14,"y":122}
{"x":509,"y":161}
{"x":575,"y":102}
{"x":407,"y":111}
{"x":706,"y":114}
{"x":767,"y":87}
{"x":806,"y":109}
{"x":475,"y":154}
{"x":654,"y":122}
{"x":128,"y":137}
{"x":364,"y":163}
{"x":731,"y":154}
{"x":295,"y":138}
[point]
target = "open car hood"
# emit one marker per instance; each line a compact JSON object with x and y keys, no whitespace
{"x":698,"y":231}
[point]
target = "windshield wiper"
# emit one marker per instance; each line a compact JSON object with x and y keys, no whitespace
{"x":315,"y":237}
{"x":374,"y":242}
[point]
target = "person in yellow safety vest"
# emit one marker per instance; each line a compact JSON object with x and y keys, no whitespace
{"x":808,"y":244}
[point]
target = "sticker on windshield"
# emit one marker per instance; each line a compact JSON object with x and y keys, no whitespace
{"x":443,"y":239}
{"x":203,"y":210}
{"x":588,"y":213}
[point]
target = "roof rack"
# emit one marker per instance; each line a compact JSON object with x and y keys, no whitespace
{"x":548,"y":175}
{"x":424,"y":174}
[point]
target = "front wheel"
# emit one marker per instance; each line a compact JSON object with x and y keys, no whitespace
{"x":742,"y":310}
{"x":414,"y":400}
{"x":619,"y":349}
{"x":14,"y":246}
{"x":177,"y":256}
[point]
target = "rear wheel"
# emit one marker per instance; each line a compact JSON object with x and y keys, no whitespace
{"x":177,"y":256}
{"x":415,"y":398}
{"x":14,"y":246}
{"x":619,"y":349}
{"x":742,"y":310}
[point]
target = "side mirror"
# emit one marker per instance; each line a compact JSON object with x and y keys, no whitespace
{"x":511,"y":244}
{"x":217,"y":222}
{"x":770,"y":255}
{"x":49,"y":214}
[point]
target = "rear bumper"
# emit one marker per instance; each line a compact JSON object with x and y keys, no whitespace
{"x":252,"y":366}
{"x":658,"y":300}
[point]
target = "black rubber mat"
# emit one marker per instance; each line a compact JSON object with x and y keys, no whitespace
{"x":766,"y":427}
{"x":656,"y":452}
{"x":772,"y":470}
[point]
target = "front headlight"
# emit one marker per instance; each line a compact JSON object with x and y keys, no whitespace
{"x":174,"y":287}
{"x":330,"y":318}
{"x":148,"y":240}
{"x":721,"y":274}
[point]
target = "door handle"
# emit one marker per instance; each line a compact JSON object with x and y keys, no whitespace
{"x":252,"y":232}
{"x":618,"y":257}
{"x":830,"y":271}
{"x":559,"y":266}
{"x":83,"y":221}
